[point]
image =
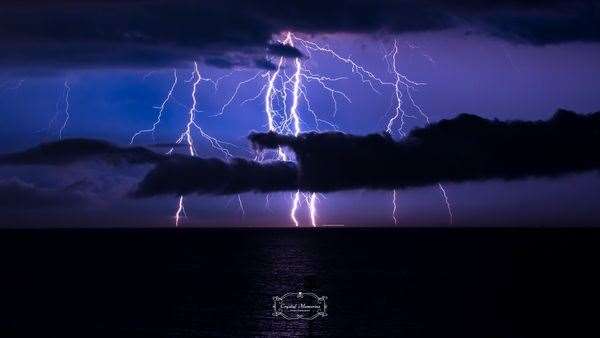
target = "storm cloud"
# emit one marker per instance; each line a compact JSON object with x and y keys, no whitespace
{"x":465,"y":148}
{"x":79,"y":149}
{"x":228,"y":33}
{"x":187,"y":175}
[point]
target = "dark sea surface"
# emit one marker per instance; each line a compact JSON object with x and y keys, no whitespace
{"x":379,"y":282}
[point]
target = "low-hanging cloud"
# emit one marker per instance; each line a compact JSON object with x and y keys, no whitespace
{"x":465,"y":148}
{"x":171,"y":174}
{"x":80,"y":149}
{"x":187,"y":175}
{"x":228,"y":33}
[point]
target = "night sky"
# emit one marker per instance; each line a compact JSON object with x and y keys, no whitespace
{"x":506,"y":60}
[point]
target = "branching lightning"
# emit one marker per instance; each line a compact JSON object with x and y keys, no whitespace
{"x":400,"y":82}
{"x":291,"y":123}
{"x":284,"y":117}
{"x":160,"y":108}
{"x":285,"y":92}
{"x":186,"y":135}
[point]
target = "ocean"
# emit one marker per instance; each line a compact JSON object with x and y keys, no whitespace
{"x":395,"y":282}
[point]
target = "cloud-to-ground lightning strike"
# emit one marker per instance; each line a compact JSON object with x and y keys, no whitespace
{"x":313,"y":209}
{"x":283,"y":94}
{"x":447,"y":201}
{"x":401,"y":85}
{"x":180,"y":206}
{"x":293,"y":118}
{"x":180,"y":211}
{"x":400,"y":114}
{"x":395,"y":207}
{"x":186,"y":135}
{"x":67,"y":114}
{"x":285,"y":118}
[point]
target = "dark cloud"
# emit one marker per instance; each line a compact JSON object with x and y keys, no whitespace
{"x":15,"y":193}
{"x":80,"y":33}
{"x":467,"y":147}
{"x":186,"y":175}
{"x":576,"y":21}
{"x":172,"y":173}
{"x":264,"y":64}
{"x":284,"y":50}
{"x":76,"y":150}
{"x":239,"y":61}
{"x":167,"y":145}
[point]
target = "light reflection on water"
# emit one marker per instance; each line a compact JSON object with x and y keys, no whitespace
{"x":379,"y":282}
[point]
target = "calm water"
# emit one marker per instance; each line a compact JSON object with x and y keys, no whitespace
{"x":379,"y":282}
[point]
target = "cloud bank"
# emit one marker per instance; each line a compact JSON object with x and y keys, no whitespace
{"x":187,"y":175}
{"x":74,"y":150}
{"x":465,"y":148}
{"x":228,"y":33}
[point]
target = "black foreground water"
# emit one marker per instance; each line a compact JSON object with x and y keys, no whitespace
{"x":379,"y":282}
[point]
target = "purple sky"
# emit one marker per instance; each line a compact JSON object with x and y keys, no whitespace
{"x":465,"y":73}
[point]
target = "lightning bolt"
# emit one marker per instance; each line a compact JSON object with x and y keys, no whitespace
{"x":313,"y":209}
{"x":401,"y":81}
{"x":272,"y":93}
{"x":241,"y":204}
{"x":293,"y":118}
{"x":297,"y":129}
{"x":402,"y":88}
{"x":447,"y":201}
{"x":395,"y":207}
{"x":67,"y":114}
{"x":186,"y":137}
{"x":160,"y":108}
{"x":294,"y":209}
{"x":284,"y":118}
{"x":191,"y":124}
{"x":283,"y":95}
{"x":57,"y":112}
{"x":180,"y":211}
{"x":235,"y":93}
